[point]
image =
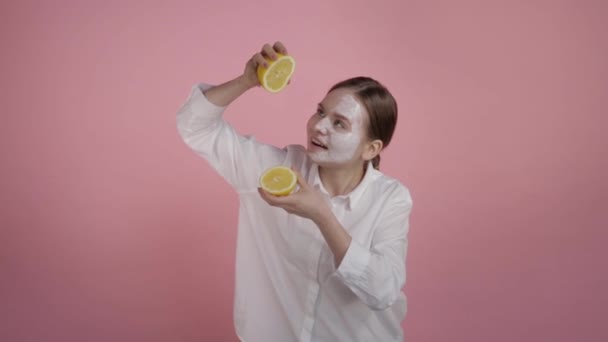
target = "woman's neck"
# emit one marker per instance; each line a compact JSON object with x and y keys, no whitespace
{"x":341,"y":181}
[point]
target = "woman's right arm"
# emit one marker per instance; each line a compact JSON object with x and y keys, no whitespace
{"x":225,"y":93}
{"x":239,"y":159}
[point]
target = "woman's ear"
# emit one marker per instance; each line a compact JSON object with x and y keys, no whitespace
{"x":372,"y":149}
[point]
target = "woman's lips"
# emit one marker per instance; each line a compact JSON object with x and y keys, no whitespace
{"x":318,"y":144}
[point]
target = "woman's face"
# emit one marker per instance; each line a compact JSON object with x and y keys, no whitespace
{"x":336,"y":131}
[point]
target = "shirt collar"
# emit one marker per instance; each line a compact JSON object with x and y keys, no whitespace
{"x":354,"y":196}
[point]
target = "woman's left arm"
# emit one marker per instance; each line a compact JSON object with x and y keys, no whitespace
{"x":376,"y":274}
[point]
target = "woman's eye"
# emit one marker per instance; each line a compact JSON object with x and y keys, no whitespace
{"x":320,"y":113}
{"x":339,"y":123}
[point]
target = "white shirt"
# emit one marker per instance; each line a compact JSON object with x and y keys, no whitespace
{"x":287,"y":286}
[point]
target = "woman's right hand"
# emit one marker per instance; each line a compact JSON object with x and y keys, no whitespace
{"x":250,"y":75}
{"x":223,"y":94}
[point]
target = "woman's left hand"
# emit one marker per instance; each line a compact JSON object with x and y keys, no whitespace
{"x":307,"y":202}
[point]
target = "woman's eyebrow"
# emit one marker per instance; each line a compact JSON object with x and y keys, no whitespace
{"x":342,"y":117}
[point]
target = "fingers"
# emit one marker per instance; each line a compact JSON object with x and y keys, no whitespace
{"x":301,"y":181}
{"x":273,"y":200}
{"x":268,"y":52}
{"x":280,"y":48}
{"x":263,"y":195}
{"x":258,"y":60}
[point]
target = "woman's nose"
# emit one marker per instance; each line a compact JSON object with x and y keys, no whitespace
{"x":322,"y":126}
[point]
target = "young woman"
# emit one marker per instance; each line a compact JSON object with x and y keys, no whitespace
{"x":326,"y":263}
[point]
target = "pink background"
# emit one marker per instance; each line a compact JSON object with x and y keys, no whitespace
{"x":113,"y":230}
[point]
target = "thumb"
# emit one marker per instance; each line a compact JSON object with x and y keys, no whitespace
{"x":301,"y":181}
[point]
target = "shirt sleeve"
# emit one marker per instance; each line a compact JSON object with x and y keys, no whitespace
{"x":239,"y":159}
{"x":377,"y":274}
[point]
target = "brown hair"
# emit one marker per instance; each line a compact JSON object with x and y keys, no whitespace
{"x":379,"y":103}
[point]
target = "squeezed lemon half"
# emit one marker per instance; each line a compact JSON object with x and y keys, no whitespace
{"x":277,"y":75}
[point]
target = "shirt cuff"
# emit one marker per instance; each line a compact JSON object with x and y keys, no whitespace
{"x":200,"y":103}
{"x":354,"y":264}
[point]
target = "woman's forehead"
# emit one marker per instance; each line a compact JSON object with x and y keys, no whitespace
{"x":344,"y":103}
{"x":342,"y":99}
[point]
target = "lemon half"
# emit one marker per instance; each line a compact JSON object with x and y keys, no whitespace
{"x":279,"y":180}
{"x":277,"y":75}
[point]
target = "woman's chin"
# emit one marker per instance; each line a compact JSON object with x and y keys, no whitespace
{"x":322,"y":159}
{"x":317,"y":156}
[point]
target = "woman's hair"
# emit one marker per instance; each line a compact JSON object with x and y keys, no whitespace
{"x":379,"y":103}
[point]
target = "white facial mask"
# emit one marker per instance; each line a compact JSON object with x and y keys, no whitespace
{"x":341,"y":145}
